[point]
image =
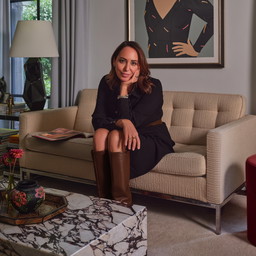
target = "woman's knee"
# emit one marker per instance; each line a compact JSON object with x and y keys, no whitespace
{"x":100,"y":138}
{"x":115,"y":141}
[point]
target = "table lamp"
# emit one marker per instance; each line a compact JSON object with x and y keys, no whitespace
{"x":34,"y":39}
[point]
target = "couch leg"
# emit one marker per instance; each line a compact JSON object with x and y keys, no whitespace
{"x":24,"y":174}
{"x":218,"y":220}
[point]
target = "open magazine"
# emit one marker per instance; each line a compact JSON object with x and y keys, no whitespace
{"x":62,"y":134}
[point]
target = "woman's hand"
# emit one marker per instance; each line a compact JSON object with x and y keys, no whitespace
{"x":131,"y":137}
{"x":124,"y":87}
{"x":183,"y":48}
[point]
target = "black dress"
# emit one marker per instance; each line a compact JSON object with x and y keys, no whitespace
{"x":142,"y":109}
{"x":175,"y":26}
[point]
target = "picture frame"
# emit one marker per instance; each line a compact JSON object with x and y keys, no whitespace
{"x":140,"y":18}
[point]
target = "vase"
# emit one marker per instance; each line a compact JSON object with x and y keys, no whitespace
{"x":27,"y":196}
{"x":9,"y":188}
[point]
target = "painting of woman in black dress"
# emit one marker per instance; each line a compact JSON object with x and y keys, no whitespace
{"x":168,"y":24}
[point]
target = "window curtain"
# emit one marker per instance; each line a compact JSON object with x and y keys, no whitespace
{"x":5,"y":41}
{"x":70,"y":70}
{"x":4,"y":47}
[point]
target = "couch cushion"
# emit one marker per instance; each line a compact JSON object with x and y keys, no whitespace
{"x":86,"y":105}
{"x":190,"y":115}
{"x":188,"y":160}
{"x":78,"y":148}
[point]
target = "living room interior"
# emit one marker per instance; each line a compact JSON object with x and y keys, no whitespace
{"x":173,"y":228}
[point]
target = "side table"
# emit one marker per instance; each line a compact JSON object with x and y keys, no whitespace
{"x":10,"y":117}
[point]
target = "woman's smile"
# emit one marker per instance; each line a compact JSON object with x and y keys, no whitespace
{"x":125,"y":75}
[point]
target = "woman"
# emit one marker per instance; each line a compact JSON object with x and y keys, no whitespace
{"x":130,"y":138}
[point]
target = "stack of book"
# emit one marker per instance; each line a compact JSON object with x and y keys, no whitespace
{"x":13,"y":142}
{"x":17,"y":107}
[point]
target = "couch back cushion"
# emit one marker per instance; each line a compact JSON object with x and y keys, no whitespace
{"x":86,"y":105}
{"x":190,"y":115}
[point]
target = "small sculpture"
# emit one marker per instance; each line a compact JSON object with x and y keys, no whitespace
{"x":34,"y":91}
{"x":10,"y":103}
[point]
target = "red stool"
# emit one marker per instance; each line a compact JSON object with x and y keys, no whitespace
{"x":251,"y":198}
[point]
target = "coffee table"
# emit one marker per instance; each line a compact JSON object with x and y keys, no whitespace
{"x":89,"y":226}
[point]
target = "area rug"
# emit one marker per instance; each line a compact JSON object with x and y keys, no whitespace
{"x":177,"y":229}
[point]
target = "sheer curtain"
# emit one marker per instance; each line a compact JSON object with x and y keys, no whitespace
{"x":4,"y":47}
{"x":70,"y":70}
{"x":5,"y":41}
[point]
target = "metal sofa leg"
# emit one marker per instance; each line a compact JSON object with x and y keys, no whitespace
{"x":218,"y":219}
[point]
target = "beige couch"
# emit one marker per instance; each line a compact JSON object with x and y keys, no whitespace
{"x":213,"y":139}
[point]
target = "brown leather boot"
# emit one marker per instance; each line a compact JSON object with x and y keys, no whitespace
{"x":102,"y":173}
{"x":120,"y":177}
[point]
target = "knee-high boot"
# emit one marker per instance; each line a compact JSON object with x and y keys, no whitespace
{"x":120,"y":177}
{"x":102,"y":173}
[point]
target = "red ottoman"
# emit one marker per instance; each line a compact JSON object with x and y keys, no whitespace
{"x":251,"y":198}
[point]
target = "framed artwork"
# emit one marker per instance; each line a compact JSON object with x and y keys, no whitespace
{"x":178,"y":33}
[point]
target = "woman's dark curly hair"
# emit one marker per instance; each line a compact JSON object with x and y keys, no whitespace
{"x":144,"y":82}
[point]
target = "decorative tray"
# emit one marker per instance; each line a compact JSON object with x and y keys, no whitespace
{"x":52,"y":206}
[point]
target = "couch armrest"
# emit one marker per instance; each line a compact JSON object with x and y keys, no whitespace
{"x":46,"y":120}
{"x":228,"y":147}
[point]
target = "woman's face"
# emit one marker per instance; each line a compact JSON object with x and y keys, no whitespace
{"x":126,"y":64}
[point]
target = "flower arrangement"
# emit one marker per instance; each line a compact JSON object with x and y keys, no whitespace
{"x":27,"y":195}
{"x":10,"y":158}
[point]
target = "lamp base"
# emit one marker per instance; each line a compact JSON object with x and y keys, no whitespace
{"x":34,"y":91}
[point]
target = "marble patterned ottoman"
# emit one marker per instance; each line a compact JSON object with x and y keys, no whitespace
{"x":89,"y":226}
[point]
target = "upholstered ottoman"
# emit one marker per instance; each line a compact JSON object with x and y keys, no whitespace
{"x":251,"y":198}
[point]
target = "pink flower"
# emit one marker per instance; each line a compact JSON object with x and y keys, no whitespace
{"x":7,"y":159}
{"x":16,"y":153}
{"x":10,"y":158}
{"x":19,"y":198}
{"x":40,"y":193}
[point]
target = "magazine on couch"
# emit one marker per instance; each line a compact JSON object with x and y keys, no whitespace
{"x":62,"y":134}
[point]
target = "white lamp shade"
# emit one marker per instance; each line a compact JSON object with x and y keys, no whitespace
{"x":34,"y":39}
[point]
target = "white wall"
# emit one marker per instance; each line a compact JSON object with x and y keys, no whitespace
{"x":108,"y":30}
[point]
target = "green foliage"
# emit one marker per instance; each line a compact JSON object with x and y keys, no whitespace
{"x":30,"y":13}
{"x":47,"y":67}
{"x":46,"y":10}
{"x":30,"y":10}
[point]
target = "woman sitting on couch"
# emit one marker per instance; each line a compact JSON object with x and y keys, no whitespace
{"x":130,"y":138}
